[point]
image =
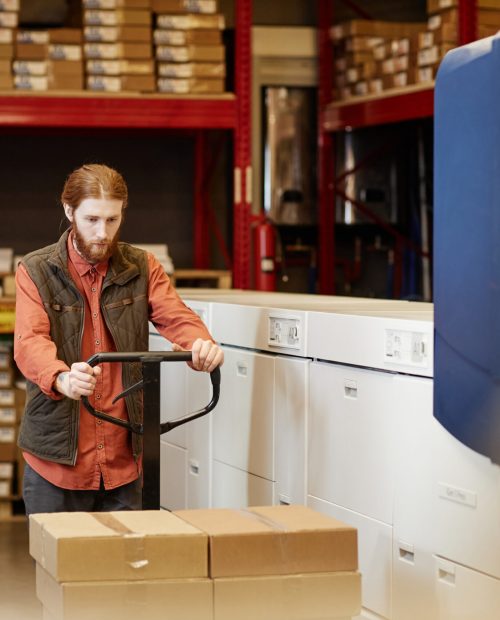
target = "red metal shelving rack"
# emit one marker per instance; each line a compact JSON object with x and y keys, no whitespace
{"x":230,"y":111}
{"x":408,"y":104}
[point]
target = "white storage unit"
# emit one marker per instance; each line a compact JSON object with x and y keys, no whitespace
{"x":354,"y":433}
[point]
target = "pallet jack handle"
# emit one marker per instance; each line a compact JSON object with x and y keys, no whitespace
{"x":151,"y":428}
{"x":147,"y":358}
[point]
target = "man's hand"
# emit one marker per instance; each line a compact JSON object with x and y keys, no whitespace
{"x":206,"y":355}
{"x":77,"y":382}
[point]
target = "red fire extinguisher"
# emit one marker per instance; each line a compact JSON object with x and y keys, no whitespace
{"x":265,"y":256}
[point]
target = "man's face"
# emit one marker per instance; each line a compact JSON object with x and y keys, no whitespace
{"x":96,"y":226}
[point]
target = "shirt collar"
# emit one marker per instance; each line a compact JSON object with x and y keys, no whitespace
{"x":81,"y":265}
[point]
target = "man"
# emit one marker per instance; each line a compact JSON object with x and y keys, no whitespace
{"x":89,"y":293}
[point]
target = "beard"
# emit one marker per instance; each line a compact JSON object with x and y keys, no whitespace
{"x":94,"y":252}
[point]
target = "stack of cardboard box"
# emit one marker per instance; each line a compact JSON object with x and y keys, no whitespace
{"x":9,"y":19}
{"x":189,"y":50}
{"x":11,"y":410}
{"x":271,"y":563}
{"x":371,"y":56}
{"x":118,"y":47}
{"x":48,"y":59}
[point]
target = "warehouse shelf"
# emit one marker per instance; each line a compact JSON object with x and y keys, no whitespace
{"x":395,"y":105}
{"x":97,"y":110}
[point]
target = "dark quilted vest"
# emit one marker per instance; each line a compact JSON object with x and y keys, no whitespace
{"x":49,"y":428}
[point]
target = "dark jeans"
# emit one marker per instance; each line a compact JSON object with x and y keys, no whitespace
{"x":41,"y":496}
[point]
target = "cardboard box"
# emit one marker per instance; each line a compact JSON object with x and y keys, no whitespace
{"x":447,"y":33}
{"x":190,"y":85}
{"x":6,"y":50}
{"x":31,"y":82}
{"x":182,"y":599}
{"x":187,"y":37}
{"x":31,"y":51}
{"x":5,"y":489}
{"x":190,"y":22}
{"x":184,"y":6}
{"x":437,"y":6}
{"x":116,"y":4}
{"x":120,"y":67}
{"x":6,"y":83}
{"x":65,"y":81}
{"x":112,"y":51}
{"x":362,"y":44}
{"x":122,"y":83}
{"x":8,"y":416}
{"x":65,"y":52}
{"x":274,"y":540}
{"x":8,"y":447}
{"x":64,"y":67}
{"x":190,"y":53}
{"x":374,"y":28}
{"x":135,"y":545}
{"x":9,"y":19}
{"x":314,"y":596}
{"x":191,"y":69}
{"x":61,"y":36}
{"x":5,"y":356}
{"x":6,"y":378}
{"x":112,"y":34}
{"x":10,"y":5}
{"x":6,"y":471}
{"x":433,"y":55}
{"x":6,"y":35}
{"x":118,"y":17}
{"x":7,"y":397}
{"x":29,"y":67}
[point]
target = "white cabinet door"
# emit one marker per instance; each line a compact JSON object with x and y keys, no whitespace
{"x":173,"y":460}
{"x":243,"y":429}
{"x":351,"y":439}
{"x":375,"y":556}
{"x":291,"y":389}
{"x":173,"y":391}
{"x":199,"y":441}
{"x":234,"y":488}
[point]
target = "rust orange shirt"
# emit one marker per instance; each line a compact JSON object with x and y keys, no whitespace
{"x":103,"y":448}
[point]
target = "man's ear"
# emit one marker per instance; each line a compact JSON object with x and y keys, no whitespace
{"x":68,"y":211}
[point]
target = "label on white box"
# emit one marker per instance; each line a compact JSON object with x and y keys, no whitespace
{"x":455,"y":494}
{"x":284,"y":332}
{"x":406,"y":348}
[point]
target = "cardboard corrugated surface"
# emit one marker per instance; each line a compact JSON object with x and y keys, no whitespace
{"x":135,"y":545}
{"x":181,"y":599}
{"x":274,"y":540}
{"x":314,"y":596}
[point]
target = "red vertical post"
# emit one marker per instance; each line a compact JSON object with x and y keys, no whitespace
{"x":242,"y":151}
{"x":467,"y":21}
{"x":201,"y":227}
{"x":326,"y":235}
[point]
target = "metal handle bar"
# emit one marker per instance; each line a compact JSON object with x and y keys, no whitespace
{"x":150,"y":357}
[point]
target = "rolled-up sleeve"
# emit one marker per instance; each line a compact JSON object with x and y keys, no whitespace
{"x":34,"y":350}
{"x":168,"y":313}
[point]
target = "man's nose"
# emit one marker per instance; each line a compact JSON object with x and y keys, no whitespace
{"x":101,"y":230}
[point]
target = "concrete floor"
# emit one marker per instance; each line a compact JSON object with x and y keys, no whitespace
{"x":17,"y":574}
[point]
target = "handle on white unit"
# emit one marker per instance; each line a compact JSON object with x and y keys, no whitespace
{"x":406,"y":552}
{"x":445,"y":571}
{"x":194,"y":467}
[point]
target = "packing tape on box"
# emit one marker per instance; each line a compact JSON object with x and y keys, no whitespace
{"x":135,"y":553}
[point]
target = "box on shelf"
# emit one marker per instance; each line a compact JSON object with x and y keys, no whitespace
{"x":6,"y":471}
{"x":10,"y":5}
{"x":8,"y":447}
{"x":9,"y":416}
{"x":118,"y":17}
{"x":182,"y":599}
{"x":136,"y":545}
{"x":7,"y":397}
{"x":437,"y":6}
{"x":433,"y":55}
{"x":5,"y":487}
{"x":187,"y":37}
{"x":190,"y":53}
{"x":190,"y":85}
{"x":9,"y":19}
{"x":6,"y":36}
{"x":62,"y":36}
{"x":192,"y":69}
{"x":374,"y":28}
{"x":274,"y":540}
{"x":62,"y":81}
{"x":120,"y":67}
{"x":190,"y":22}
{"x":6,"y":378}
{"x":116,"y":4}
{"x":113,"y":51}
{"x":31,"y":51}
{"x":184,"y":6}
{"x":113,"y":34}
{"x":121,"y":83}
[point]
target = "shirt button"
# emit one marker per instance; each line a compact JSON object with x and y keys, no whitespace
{"x":98,"y":342}
{"x":99,"y":421}
{"x":98,"y":396}
{"x":100,"y":446}
{"x":93,"y":289}
{"x":94,"y":314}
